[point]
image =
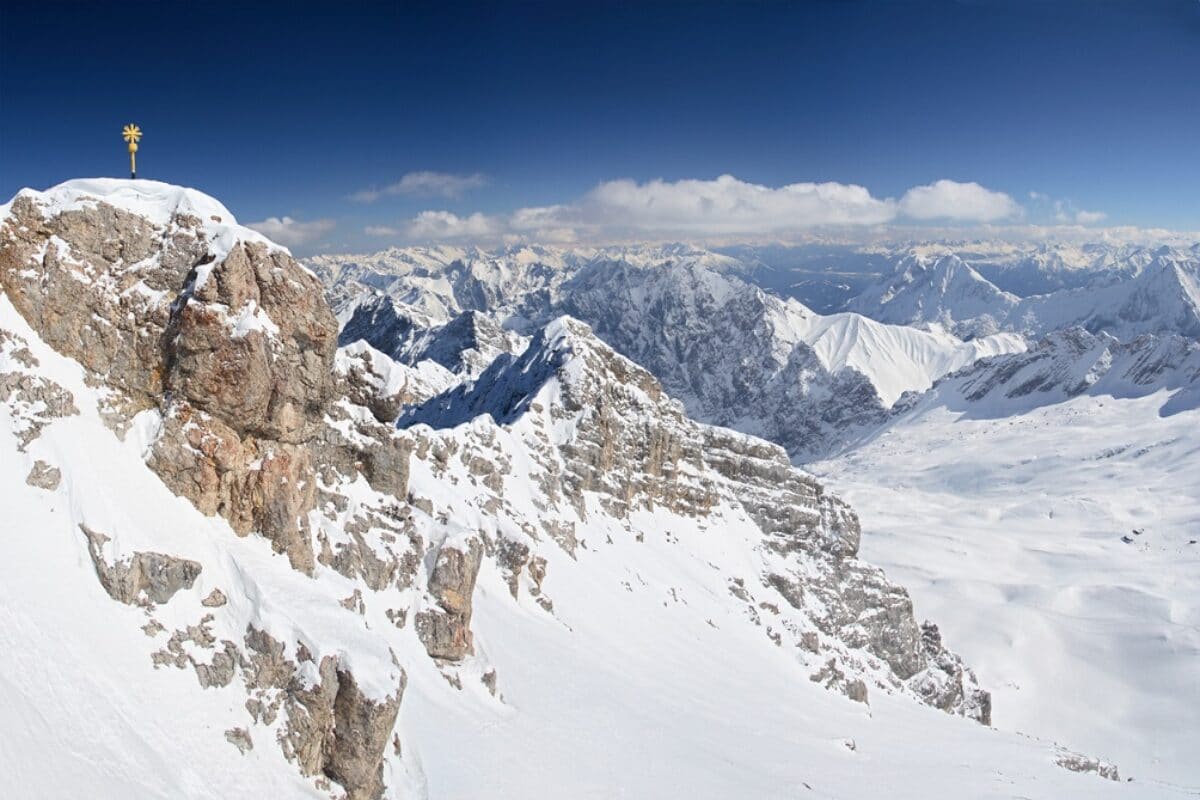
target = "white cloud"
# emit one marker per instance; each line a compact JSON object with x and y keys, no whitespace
{"x":1066,"y":212}
{"x":967,"y":202}
{"x":425,"y":183}
{"x":292,"y":232}
{"x":728,"y":205}
{"x":382,"y":230}
{"x":728,"y":209}
{"x":447,"y":225}
{"x":1089,"y":217}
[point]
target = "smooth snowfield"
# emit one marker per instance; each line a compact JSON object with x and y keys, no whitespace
{"x":1007,"y":529}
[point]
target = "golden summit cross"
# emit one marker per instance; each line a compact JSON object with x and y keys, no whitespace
{"x":132,"y":133}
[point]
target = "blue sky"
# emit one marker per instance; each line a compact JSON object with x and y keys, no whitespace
{"x":294,"y":110}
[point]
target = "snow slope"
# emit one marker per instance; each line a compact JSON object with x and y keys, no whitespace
{"x":157,"y":202}
{"x":565,"y":586}
{"x":661,"y":608}
{"x":1055,"y":532}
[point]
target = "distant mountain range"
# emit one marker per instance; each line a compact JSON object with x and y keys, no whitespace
{"x":740,"y":355}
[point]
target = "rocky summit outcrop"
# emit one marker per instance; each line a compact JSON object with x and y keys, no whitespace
{"x":215,"y":327}
{"x":227,"y":343}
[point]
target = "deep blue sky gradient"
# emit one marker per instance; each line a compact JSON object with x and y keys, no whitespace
{"x":288,"y":108}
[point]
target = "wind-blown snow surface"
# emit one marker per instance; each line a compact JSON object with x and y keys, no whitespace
{"x":1056,"y":539}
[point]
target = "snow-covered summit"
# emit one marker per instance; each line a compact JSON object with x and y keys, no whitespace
{"x":942,"y":290}
{"x":159,"y":203}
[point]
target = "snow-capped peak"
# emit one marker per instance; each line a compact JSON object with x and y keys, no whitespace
{"x":158,"y":202}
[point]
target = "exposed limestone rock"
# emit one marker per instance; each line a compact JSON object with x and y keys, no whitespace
{"x":255,"y":485}
{"x":512,"y":557}
{"x":632,"y":446}
{"x":35,"y":401}
{"x":233,"y":344}
{"x":268,"y":378}
{"x":215,"y":599}
{"x":446,"y":633}
{"x":96,"y":283}
{"x":361,"y":731}
{"x":1076,"y":762}
{"x":354,"y":602}
{"x":946,"y":683}
{"x":831,"y":677}
{"x":248,"y":340}
{"x":489,"y":680}
{"x":44,"y":476}
{"x":331,"y":727}
{"x":222,"y":669}
{"x":240,"y":738}
{"x":381,"y":545}
{"x":143,"y":577}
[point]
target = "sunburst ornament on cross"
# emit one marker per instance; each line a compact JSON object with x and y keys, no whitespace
{"x":132,"y":133}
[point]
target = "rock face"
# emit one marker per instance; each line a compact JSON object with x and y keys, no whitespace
{"x":1076,"y":762}
{"x":610,"y":431}
{"x":145,"y":577}
{"x":173,"y":309}
{"x":34,"y":399}
{"x":44,"y":476}
{"x":331,"y":728}
{"x":446,"y":633}
{"x":252,"y":344}
{"x":228,"y":336}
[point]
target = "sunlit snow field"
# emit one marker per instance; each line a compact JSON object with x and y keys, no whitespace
{"x":1008,"y":532}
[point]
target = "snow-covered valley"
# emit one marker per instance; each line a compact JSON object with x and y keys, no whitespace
{"x":1059,"y":546}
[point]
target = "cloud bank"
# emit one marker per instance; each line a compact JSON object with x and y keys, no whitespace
{"x":425,"y":183}
{"x":729,"y":205}
{"x":962,"y":202}
{"x":723,"y":206}
{"x":291,"y":232}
